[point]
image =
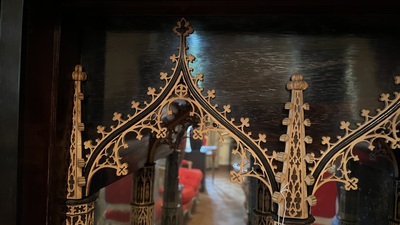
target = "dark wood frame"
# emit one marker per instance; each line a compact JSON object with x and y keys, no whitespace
{"x":37,"y":57}
{"x":10,"y":70}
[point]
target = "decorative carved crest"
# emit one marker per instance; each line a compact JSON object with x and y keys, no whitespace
{"x":384,"y":125}
{"x":180,"y":86}
{"x":292,"y":187}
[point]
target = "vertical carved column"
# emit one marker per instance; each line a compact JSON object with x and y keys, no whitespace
{"x":79,"y":211}
{"x":293,"y":199}
{"x":395,"y":218}
{"x":171,"y":212}
{"x":262,"y":212}
{"x":142,"y":198}
{"x":75,"y":179}
{"x":348,"y":207}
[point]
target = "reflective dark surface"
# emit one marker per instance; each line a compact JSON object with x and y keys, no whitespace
{"x":248,"y":61}
{"x":247,"y":64}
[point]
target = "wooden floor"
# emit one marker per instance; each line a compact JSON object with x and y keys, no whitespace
{"x":222,"y":202}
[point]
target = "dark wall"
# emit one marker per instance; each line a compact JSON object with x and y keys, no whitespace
{"x":52,"y":51}
{"x":10,"y":64}
{"x":35,"y":113}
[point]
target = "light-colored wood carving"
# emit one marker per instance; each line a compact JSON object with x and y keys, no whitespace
{"x":302,"y":169}
{"x":80,"y":214}
{"x":381,"y":126}
{"x":75,"y":178}
{"x":262,"y":211}
{"x":142,"y":202}
{"x":181,"y":85}
{"x":292,"y":187}
{"x":293,"y":198}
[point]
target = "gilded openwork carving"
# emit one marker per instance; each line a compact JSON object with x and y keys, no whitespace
{"x":293,"y":198}
{"x":381,"y":126}
{"x":180,"y":86}
{"x":142,"y":202}
{"x":75,"y":178}
{"x":292,"y":187}
{"x":80,"y":214}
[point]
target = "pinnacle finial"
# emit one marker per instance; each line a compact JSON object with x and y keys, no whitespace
{"x":297,"y":82}
{"x":183,"y":29}
{"x":397,"y":79}
{"x":78,"y":74}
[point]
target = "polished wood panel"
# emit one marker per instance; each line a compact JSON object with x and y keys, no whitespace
{"x":10,"y":75}
{"x":229,"y":7}
{"x":38,"y":103}
{"x":248,"y":61}
{"x":46,"y":111}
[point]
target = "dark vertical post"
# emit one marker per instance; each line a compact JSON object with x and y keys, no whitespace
{"x":262,"y":211}
{"x":10,"y":69}
{"x":143,"y":197}
{"x":348,"y":207}
{"x":395,"y":209}
{"x":252,"y":196}
{"x":349,"y":200}
{"x":171,"y":214}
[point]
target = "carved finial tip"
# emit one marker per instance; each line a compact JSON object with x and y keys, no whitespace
{"x":183,"y":28}
{"x":397,"y":79}
{"x":297,"y":77}
{"x":78,"y":74}
{"x":297,"y":82}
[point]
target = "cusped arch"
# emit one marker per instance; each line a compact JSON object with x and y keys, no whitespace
{"x":180,"y":87}
{"x":182,"y":91}
{"x":383,"y":125}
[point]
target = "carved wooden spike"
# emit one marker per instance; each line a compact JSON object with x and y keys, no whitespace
{"x":293,"y":186}
{"x":75,"y":179}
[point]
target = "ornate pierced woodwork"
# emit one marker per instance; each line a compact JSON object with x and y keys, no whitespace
{"x":179,"y":87}
{"x":334,"y":159}
{"x":75,"y":178}
{"x":142,"y":200}
{"x":80,"y":211}
{"x":293,"y":187}
{"x":293,"y":198}
{"x":263,"y":211}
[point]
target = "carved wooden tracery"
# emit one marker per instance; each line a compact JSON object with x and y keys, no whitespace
{"x":293,"y":187}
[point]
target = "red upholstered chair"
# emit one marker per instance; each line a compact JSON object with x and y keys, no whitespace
{"x":158,"y":209}
{"x":190,"y":181}
{"x":118,"y":196}
{"x":325,"y":210}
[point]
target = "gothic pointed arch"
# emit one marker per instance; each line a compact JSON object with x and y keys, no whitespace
{"x":181,"y":87}
{"x":291,"y":186}
{"x":383,"y":125}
